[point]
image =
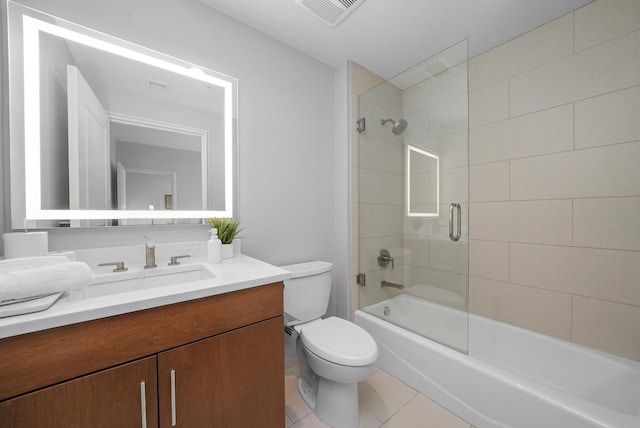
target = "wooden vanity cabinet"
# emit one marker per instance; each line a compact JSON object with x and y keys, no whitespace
{"x":235,"y":379}
{"x":109,"y":398}
{"x":211,"y":362}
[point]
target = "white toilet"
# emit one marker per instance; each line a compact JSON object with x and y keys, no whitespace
{"x":334,"y":354}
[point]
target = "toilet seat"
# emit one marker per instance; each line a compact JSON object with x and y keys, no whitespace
{"x":340,"y":341}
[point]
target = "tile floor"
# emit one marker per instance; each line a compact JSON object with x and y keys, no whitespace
{"x":385,"y":402}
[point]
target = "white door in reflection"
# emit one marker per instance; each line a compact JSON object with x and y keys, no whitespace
{"x":89,"y":174}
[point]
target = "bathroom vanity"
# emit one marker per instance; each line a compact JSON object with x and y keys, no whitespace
{"x":215,"y":360}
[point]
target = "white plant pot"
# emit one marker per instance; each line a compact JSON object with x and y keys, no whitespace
{"x":227,"y":251}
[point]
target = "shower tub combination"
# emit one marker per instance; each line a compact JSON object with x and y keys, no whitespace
{"x":511,"y":377}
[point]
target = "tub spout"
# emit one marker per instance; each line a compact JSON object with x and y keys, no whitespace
{"x":391,"y":284}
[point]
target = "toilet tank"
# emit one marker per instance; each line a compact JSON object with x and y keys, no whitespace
{"x":306,"y":294}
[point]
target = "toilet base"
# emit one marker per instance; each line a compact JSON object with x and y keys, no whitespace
{"x":335,"y":403}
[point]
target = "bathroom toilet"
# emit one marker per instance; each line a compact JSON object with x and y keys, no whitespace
{"x":334,"y":353}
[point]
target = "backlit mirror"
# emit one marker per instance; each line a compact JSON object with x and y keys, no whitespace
{"x":104,"y":130}
{"x":423,"y":182}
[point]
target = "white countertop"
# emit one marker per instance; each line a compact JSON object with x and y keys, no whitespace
{"x":237,"y":273}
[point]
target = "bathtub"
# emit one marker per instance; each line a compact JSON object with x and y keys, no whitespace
{"x":511,"y":377}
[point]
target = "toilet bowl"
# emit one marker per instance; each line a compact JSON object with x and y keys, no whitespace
{"x":334,"y":353}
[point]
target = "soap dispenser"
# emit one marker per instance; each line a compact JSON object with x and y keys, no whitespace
{"x":214,"y":247}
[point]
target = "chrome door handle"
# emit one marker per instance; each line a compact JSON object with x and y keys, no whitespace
{"x":173,"y":398}
{"x":143,"y":404}
{"x":455,"y":206}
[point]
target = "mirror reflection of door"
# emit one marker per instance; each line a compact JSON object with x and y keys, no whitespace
{"x":144,"y":189}
{"x":89,"y":146}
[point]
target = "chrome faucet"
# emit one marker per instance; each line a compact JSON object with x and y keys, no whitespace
{"x":150,"y":254}
{"x":119,"y":266}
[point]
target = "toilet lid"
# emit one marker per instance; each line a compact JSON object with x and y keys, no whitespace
{"x":341,"y":342}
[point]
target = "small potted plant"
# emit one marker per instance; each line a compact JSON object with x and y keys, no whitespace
{"x":227,"y":231}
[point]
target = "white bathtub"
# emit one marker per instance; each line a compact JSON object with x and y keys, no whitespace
{"x":511,"y":377}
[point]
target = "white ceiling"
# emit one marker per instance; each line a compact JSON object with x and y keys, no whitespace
{"x":389,"y":36}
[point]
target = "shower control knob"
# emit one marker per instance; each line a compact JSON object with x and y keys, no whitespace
{"x":384,"y":257}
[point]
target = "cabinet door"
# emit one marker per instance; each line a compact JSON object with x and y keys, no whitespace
{"x":235,"y":379}
{"x":109,"y":398}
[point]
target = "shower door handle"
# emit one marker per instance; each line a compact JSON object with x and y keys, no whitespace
{"x":455,"y":206}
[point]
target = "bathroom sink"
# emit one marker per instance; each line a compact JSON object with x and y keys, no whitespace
{"x":144,"y":279}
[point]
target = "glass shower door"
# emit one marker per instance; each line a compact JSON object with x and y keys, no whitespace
{"x":413,"y":198}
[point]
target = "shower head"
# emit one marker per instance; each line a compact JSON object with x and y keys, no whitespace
{"x":399,"y":126}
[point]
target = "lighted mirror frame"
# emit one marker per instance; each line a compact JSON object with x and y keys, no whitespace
{"x":420,"y":151}
{"x":32,"y":27}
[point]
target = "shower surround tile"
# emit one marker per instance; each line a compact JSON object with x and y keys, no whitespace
{"x":611,"y":327}
{"x":489,"y":104}
{"x":380,"y":220}
{"x":601,"y":21}
{"x":604,"y":68}
{"x":607,"y":223}
{"x":449,"y":117}
{"x":489,"y":182}
{"x":596,"y":172}
{"x":539,"y":133}
{"x":541,"y":222}
{"x":489,"y":260}
{"x":608,"y":119}
{"x":597,"y":273}
{"x":380,"y":188}
{"x":543,"y":45}
{"x":381,"y":155}
{"x":543,"y":311}
{"x":442,"y":87}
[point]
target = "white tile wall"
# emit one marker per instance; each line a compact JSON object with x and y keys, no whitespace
{"x":380,"y":187}
{"x":541,"y":222}
{"x":434,"y":91}
{"x":527,"y":307}
{"x":452,"y":148}
{"x":449,"y":117}
{"x":381,"y":155}
{"x":380,"y":220}
{"x":489,"y":260}
{"x":604,"y":20}
{"x":608,"y":119}
{"x":607,"y":325}
{"x":555,"y":181}
{"x":538,"y":47}
{"x":489,"y":182}
{"x":602,"y":274}
{"x":607,"y":223}
{"x":489,"y":104}
{"x":606,"y":67}
{"x":547,"y":131}
{"x":601,"y":171}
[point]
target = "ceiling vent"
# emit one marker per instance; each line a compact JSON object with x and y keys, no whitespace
{"x":331,"y":12}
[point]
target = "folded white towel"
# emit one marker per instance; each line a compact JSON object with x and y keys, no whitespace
{"x":24,"y":263}
{"x":47,"y":279}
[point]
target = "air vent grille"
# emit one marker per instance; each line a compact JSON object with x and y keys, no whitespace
{"x":331,"y":12}
{"x":348,"y":3}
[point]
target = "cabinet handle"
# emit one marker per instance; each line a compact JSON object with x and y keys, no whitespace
{"x":173,"y":398}
{"x":143,"y":404}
